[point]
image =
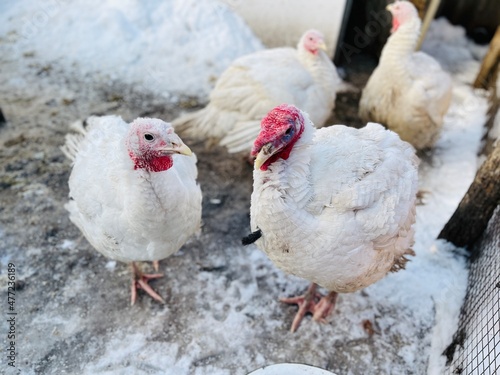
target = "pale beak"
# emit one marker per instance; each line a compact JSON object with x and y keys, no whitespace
{"x":182,"y":149}
{"x":389,"y":7}
{"x":176,"y":146}
{"x":322,"y":46}
{"x":265,"y":153}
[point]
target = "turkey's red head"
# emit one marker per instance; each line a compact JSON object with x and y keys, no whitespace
{"x":402,"y":12}
{"x":279,"y":131}
{"x":151,"y":143}
{"x":313,"y":41}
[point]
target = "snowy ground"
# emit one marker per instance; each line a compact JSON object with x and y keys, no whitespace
{"x":222,"y":314}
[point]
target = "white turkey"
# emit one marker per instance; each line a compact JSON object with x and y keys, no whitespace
{"x":256,"y":83}
{"x":334,"y":206}
{"x":408,"y":91}
{"x":133,"y":191}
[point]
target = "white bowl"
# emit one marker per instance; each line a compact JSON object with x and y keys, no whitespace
{"x":290,"y":369}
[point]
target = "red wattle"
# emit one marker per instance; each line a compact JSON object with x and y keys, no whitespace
{"x":395,"y":25}
{"x":154,"y":163}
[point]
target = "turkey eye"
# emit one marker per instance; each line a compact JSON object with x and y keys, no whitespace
{"x":288,"y":131}
{"x":149,"y":137}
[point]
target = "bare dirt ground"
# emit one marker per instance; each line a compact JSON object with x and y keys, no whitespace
{"x":221,"y":315}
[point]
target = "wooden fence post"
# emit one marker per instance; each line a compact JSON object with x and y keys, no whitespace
{"x":476,"y":208}
{"x":490,"y":62}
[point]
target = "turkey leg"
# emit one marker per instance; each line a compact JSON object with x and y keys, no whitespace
{"x":140,"y":281}
{"x":312,"y":302}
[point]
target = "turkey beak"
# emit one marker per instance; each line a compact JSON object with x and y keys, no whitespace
{"x":389,"y":7}
{"x":176,"y":146}
{"x":322,"y":46}
{"x":182,"y":149}
{"x":265,"y":153}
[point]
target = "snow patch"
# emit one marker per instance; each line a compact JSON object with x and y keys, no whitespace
{"x":67,"y":244}
{"x":164,"y":47}
{"x":110,"y":265}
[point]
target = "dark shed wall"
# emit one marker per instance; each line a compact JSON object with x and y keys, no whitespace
{"x":479,"y":17}
{"x":472,"y":14}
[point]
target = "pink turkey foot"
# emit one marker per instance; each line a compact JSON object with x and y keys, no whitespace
{"x":325,"y":307}
{"x":140,"y":281}
{"x":311,"y":302}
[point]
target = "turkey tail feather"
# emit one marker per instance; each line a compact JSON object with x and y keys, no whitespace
{"x":73,"y":141}
{"x":189,"y":123}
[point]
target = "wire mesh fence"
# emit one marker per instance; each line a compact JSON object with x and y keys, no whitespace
{"x":476,"y":345}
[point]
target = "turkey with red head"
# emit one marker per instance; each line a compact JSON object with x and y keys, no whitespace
{"x":133,"y":191}
{"x":334,"y":206}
